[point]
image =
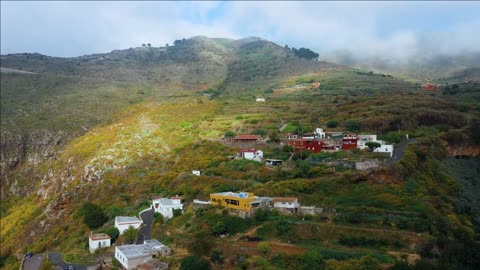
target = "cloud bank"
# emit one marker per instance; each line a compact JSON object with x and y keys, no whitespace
{"x":384,"y":29}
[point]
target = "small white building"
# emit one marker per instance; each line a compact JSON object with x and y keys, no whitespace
{"x":252,"y":154}
{"x":166,"y":206}
{"x":123,"y":223}
{"x":363,"y":139}
{"x":130,"y":256}
{"x":98,"y":240}
{"x":196,"y":172}
{"x":319,"y":133}
{"x":286,"y":203}
{"x":260,"y":100}
{"x":386,"y":148}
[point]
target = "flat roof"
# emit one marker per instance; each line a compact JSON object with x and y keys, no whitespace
{"x":122,"y":219}
{"x":234,"y":194}
{"x":148,"y":248}
{"x":99,"y":236}
{"x":135,"y":251}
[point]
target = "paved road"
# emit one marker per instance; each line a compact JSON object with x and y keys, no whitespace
{"x":144,"y":234}
{"x":399,"y":151}
{"x":33,"y":263}
{"x":55,"y":258}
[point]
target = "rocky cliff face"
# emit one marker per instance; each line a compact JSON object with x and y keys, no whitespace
{"x":22,"y":154}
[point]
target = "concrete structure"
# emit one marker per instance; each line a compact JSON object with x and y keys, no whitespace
{"x":153,"y":264}
{"x":251,"y":154}
{"x":166,"y":206}
{"x":98,"y":240}
{"x":196,"y":172}
{"x":131,"y":256}
{"x":386,"y":148}
{"x":123,"y":223}
{"x":260,"y":100}
{"x":286,"y":203}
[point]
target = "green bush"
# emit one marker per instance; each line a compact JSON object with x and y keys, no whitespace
{"x":352,"y":125}
{"x":93,"y":215}
{"x":332,"y":123}
{"x":194,"y":263}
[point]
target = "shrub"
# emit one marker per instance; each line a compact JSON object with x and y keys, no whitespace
{"x":113,"y":233}
{"x":263,"y":247}
{"x":194,"y":263}
{"x":131,"y":234}
{"x":229,"y":134}
{"x":93,"y":215}
{"x":373,"y":145}
{"x":352,"y":125}
{"x":217,"y":257}
{"x":177,"y":212}
{"x":332,"y":123}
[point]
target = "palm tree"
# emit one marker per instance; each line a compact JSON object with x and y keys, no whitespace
{"x":131,"y":234}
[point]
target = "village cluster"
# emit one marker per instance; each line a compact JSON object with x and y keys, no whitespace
{"x":139,"y":256}
{"x":144,"y":256}
{"x":316,"y":142}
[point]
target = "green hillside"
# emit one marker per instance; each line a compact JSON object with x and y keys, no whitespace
{"x":132,"y":124}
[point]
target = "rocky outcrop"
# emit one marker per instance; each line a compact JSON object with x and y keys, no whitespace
{"x":22,"y":153}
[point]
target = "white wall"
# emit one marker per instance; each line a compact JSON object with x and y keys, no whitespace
{"x":130,"y":263}
{"x":386,"y":148}
{"x":94,"y":244}
{"x":286,"y":204}
{"x":123,"y":227}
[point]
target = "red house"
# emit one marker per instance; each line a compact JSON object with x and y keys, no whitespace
{"x":303,"y":144}
{"x":349,"y":141}
{"x":429,"y":87}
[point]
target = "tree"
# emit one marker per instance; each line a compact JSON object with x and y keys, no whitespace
{"x":177,"y":212}
{"x":218,"y":228}
{"x":194,"y":263}
{"x":229,"y":134}
{"x":373,"y":145}
{"x":352,"y":125}
{"x":274,"y":137}
{"x":149,"y":45}
{"x":113,"y":233}
{"x":131,"y":234}
{"x":93,"y":215}
{"x":143,"y":45}
{"x":263,"y":247}
{"x":217,"y":257}
{"x":332,"y":123}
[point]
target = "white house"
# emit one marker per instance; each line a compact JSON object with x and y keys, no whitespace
{"x":386,"y":148}
{"x":260,"y":100}
{"x":286,"y":203}
{"x":166,"y":206}
{"x":98,"y":240}
{"x":123,"y":223}
{"x":196,"y":172}
{"x":319,"y":133}
{"x":130,"y":256}
{"x":363,"y":139}
{"x":252,"y":154}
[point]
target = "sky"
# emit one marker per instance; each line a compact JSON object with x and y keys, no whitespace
{"x":394,"y":29}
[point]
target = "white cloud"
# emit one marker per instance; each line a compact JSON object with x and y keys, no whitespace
{"x":395,"y":29}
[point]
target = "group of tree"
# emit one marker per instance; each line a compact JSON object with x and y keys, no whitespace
{"x":93,"y":215}
{"x":303,"y":53}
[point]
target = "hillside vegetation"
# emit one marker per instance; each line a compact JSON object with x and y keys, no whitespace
{"x":138,"y":124}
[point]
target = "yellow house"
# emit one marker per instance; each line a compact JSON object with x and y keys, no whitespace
{"x":240,"y":201}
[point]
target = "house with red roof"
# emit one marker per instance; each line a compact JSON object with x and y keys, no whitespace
{"x":247,"y":138}
{"x":429,"y":87}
